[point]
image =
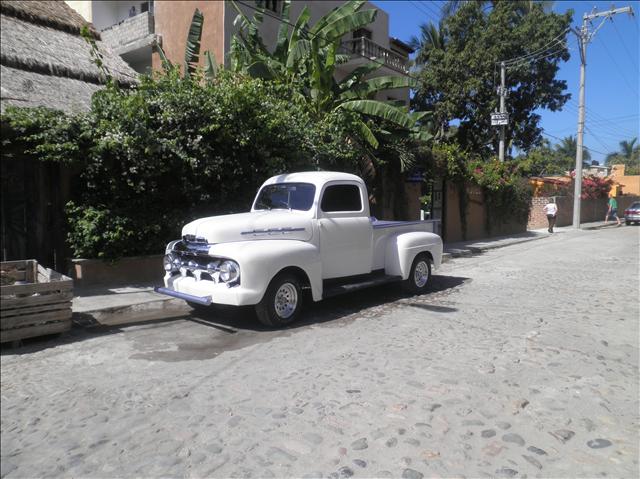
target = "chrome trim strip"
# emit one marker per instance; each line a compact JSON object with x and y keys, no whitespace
{"x":204,"y":300}
{"x":272,"y":231}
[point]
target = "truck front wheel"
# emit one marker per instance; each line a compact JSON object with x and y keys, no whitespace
{"x":419,"y":276}
{"x":282,"y":301}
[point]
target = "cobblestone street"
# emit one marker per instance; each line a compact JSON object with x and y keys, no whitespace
{"x":523,"y":361}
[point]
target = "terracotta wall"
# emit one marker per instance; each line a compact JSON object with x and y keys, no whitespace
{"x":476,"y":217}
{"x":172,"y":21}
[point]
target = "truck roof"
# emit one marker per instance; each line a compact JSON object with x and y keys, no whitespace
{"x":314,"y":177}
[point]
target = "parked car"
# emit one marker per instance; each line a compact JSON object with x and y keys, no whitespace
{"x":632,"y":213}
{"x":306,"y":232}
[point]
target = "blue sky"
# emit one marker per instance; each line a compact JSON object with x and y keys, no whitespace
{"x":612,"y":79}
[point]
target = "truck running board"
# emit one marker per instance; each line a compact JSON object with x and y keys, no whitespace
{"x":364,"y":282}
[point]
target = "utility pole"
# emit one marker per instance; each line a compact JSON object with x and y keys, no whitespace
{"x":584,"y":37}
{"x":501,"y":118}
{"x":502,"y":109}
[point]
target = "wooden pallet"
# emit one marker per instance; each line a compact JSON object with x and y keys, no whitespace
{"x":36,"y":304}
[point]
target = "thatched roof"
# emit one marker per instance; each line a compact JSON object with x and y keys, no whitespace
{"x":54,"y":14}
{"x":45,"y":61}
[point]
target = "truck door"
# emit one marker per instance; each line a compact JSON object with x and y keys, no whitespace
{"x":345,"y":231}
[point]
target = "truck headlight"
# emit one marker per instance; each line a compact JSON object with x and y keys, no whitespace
{"x":192,"y":265}
{"x":229,"y":271}
{"x":171,"y":263}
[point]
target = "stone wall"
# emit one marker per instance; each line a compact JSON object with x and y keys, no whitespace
{"x":128,"y":31}
{"x":590,"y":210}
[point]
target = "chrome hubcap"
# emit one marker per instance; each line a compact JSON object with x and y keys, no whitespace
{"x":286,"y":300}
{"x":421,"y":274}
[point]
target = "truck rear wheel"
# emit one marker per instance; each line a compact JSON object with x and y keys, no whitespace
{"x":282,"y":301}
{"x":420,"y":275}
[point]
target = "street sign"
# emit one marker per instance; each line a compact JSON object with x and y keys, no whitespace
{"x":499,"y":119}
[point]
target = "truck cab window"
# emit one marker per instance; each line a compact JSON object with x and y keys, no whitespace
{"x":341,"y":198}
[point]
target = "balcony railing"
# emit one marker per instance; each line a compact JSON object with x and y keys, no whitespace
{"x":128,"y":31}
{"x":365,"y":47}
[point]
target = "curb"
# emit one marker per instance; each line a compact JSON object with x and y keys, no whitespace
{"x":473,"y":250}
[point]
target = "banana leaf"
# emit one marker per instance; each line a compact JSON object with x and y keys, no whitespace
{"x":379,"y":110}
{"x":192,"y":48}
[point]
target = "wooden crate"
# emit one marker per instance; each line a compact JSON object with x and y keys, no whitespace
{"x":38,"y":303}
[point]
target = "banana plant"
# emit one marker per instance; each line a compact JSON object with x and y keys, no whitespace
{"x":309,"y":55}
{"x":192,"y":52}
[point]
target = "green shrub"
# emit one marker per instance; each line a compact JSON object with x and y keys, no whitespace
{"x":172,"y":149}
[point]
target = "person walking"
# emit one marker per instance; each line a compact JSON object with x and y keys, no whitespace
{"x":612,"y":211}
{"x":551,"y":210}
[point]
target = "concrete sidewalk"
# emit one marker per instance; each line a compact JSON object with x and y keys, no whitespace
{"x":126,"y":303}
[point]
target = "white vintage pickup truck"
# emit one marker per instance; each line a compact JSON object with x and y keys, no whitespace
{"x":307,"y":235}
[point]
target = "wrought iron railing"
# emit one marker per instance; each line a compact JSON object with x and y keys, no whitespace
{"x":364,"y":47}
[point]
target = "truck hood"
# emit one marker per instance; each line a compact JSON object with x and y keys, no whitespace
{"x":257,"y":225}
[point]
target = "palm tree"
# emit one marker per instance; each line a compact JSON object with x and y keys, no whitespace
{"x":566,"y":151}
{"x":432,"y":37}
{"x":629,"y":154}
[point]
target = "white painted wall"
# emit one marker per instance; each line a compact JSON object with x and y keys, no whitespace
{"x":83,"y":7}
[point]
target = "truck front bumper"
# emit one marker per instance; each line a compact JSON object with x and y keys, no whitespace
{"x":203,"y":300}
{"x":208,"y":292}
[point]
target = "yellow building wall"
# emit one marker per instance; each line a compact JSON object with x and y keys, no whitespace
{"x":629,"y":184}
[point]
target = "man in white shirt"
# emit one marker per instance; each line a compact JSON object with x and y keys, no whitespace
{"x":551,"y":210}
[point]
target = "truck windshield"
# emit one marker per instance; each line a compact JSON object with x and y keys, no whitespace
{"x":286,"y":196}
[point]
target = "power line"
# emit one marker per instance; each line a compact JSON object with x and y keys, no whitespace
{"x":535,"y":59}
{"x":603,"y":123}
{"x":546,"y":47}
{"x":562,"y":139}
{"x":622,"y":74}
{"x":624,"y":44}
{"x":417,"y":6}
{"x":597,"y":139}
{"x":432,"y":9}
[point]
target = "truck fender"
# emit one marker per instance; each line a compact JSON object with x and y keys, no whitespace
{"x":402,"y":249}
{"x":260,"y":261}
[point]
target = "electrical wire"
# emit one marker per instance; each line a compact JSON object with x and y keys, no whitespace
{"x":434,"y":10}
{"x":634,"y":61}
{"x":417,"y":6}
{"x":544,"y":132}
{"x":602,"y":123}
{"x":624,"y":77}
{"x":543,"y":49}
{"x":535,"y":59}
{"x":597,"y":139}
